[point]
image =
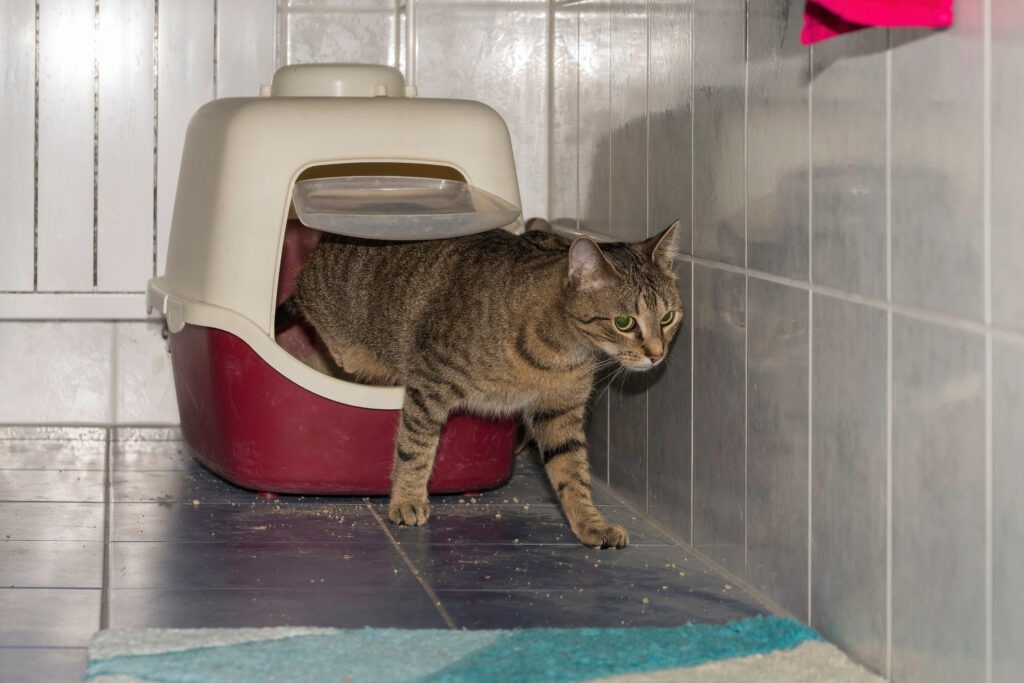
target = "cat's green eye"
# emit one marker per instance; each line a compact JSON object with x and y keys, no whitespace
{"x":668,"y":318}
{"x":624,"y":323}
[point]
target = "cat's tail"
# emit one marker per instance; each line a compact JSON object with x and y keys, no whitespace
{"x":287,"y":313}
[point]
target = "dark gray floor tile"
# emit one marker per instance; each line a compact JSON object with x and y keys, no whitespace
{"x":192,"y":550}
{"x":48,"y":616}
{"x":199,"y":484}
{"x":51,"y":521}
{"x":629,"y":571}
{"x":51,"y":564}
{"x":42,"y":664}
{"x":338,"y":608}
{"x":53,"y":448}
{"x":188,"y":485}
{"x":256,"y":522}
{"x":526,"y":486}
{"x":52,"y":485}
{"x":257,"y":566}
{"x":478,"y":524}
{"x":595,"y":608}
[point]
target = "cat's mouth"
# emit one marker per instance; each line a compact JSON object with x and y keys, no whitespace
{"x":641,"y":365}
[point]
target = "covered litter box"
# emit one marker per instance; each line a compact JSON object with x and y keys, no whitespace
{"x":346,"y":149}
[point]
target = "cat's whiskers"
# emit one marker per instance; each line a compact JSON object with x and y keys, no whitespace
{"x":597,"y":366}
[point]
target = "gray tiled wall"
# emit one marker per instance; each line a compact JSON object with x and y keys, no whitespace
{"x":840,"y":422}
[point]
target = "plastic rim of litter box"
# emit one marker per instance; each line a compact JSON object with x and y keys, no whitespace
{"x":399,"y":207}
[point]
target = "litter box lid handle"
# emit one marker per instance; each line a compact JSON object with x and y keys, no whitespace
{"x":338,"y":80}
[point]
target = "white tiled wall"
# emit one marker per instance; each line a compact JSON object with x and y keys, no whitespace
{"x":841,"y":425}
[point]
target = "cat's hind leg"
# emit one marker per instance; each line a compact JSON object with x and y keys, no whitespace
{"x":558,"y":430}
{"x":419,"y":431}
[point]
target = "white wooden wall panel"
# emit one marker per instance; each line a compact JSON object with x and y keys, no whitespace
{"x":17,"y":143}
{"x":73,"y":306}
{"x":245,"y":46}
{"x":185,"y":82}
{"x":66,"y":144}
{"x":125,"y":173}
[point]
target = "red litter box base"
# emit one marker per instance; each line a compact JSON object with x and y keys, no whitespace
{"x":259,"y":430}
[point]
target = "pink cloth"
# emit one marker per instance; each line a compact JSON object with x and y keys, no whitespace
{"x":824,"y":19}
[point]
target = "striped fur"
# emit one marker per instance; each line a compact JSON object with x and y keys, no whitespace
{"x":493,"y":324}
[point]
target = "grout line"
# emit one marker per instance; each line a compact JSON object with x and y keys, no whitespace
{"x":888,"y":355}
{"x":746,"y":279}
{"x":607,"y":10}
{"x":888,"y":166}
{"x":489,"y":5}
{"x":216,"y":46}
{"x":926,"y":315}
{"x":105,"y":590}
{"x":95,"y":144}
{"x":578,"y":145}
{"x":156,"y":128}
{"x":281,"y":29}
{"x":987,"y":255}
{"x":810,"y":164}
{"x":746,"y":131}
{"x":888,"y":496}
{"x":22,"y":293}
{"x":810,"y":332}
{"x":411,"y":53}
{"x":412,"y":568}
{"x":647,"y":233}
{"x":83,"y":648}
{"x":693,"y":106}
{"x":693,"y":287}
{"x":93,"y":425}
{"x":35,"y":168}
{"x":987,"y":165}
{"x":549,"y":94}
{"x":810,"y":453}
{"x":693,"y":267}
{"x":989,"y":537}
{"x":746,"y":414}
{"x":114,"y":360}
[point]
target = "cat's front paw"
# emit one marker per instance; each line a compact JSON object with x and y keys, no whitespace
{"x":603,"y":535}
{"x":409,"y":512}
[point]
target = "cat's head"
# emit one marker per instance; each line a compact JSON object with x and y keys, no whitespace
{"x":622,"y":297}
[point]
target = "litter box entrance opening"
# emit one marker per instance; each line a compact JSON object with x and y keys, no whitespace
{"x":297,"y":337}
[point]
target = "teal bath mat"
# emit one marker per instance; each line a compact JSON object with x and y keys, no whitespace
{"x":762,"y":648}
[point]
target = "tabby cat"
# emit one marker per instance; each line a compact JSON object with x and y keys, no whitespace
{"x":494,"y":324}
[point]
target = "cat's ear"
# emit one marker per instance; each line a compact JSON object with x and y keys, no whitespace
{"x":661,"y":249}
{"x":588,"y":268}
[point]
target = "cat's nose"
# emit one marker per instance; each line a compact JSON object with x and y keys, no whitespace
{"x":654,"y":359}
